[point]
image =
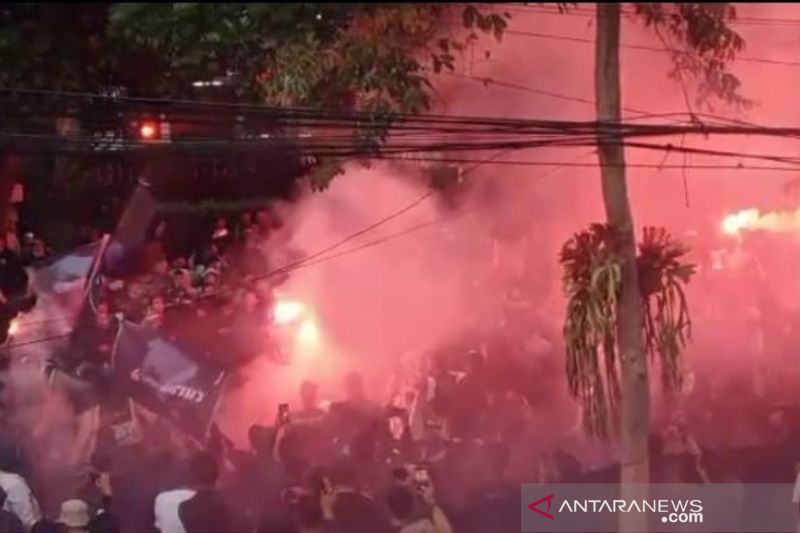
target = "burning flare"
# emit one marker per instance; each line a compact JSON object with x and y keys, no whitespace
{"x":287,"y":311}
{"x":753,"y":219}
{"x":299,"y":323}
{"x":734,"y":223}
{"x":308,"y":333}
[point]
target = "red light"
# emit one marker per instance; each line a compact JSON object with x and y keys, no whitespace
{"x":148,"y":131}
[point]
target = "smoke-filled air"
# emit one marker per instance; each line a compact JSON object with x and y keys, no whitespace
{"x":515,"y":284}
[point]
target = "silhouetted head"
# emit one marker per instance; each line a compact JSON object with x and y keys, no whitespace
{"x":203,"y":470}
{"x":401,"y":502}
{"x":260,"y":439}
{"x":308,"y":515}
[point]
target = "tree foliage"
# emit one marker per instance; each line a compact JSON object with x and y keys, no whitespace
{"x":371,"y":58}
{"x":592,"y":282}
{"x":376,"y":58}
{"x":62,"y":47}
{"x":702,"y":45}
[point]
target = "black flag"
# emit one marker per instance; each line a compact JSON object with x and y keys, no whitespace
{"x":166,"y":378}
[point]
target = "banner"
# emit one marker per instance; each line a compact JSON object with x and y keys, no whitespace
{"x":67,"y":274}
{"x":60,"y":284}
{"x":166,"y":378}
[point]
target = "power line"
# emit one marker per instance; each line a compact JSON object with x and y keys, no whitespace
{"x":719,"y":153}
{"x":376,"y":242}
{"x":592,"y":137}
{"x":640,"y":114}
{"x":598,"y":165}
{"x":588,"y":13}
{"x":296,"y":114}
{"x":355,"y":234}
{"x":423,"y":123}
{"x":375,"y":225}
{"x":645,"y":48}
{"x":403,"y":122}
{"x":425,"y":225}
{"x":510,"y":85}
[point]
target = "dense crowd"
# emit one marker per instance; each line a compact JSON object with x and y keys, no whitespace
{"x":218,"y":293}
{"x":445,"y":451}
{"x":354,"y":466}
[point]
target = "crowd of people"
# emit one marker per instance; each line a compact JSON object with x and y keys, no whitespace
{"x":352,"y":466}
{"x":215,"y":294}
{"x":446,"y":451}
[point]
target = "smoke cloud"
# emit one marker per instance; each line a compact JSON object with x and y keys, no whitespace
{"x":377,"y":308}
{"x":414,"y":293}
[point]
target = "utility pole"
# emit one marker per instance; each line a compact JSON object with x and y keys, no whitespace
{"x":634,"y":461}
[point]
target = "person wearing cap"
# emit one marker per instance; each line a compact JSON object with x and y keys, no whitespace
{"x":75,"y":516}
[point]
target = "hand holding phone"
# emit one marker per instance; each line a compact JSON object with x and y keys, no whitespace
{"x":422,"y":480}
{"x":327,"y":499}
{"x":103,"y":483}
{"x":283,"y":414}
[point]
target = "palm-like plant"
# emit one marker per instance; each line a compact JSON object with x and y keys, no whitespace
{"x":591,"y":278}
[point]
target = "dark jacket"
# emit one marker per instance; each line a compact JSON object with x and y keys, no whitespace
{"x":9,"y":523}
{"x":205,"y":512}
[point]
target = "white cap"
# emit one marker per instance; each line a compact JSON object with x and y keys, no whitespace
{"x":74,"y":513}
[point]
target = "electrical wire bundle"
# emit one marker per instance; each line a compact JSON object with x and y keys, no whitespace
{"x":331,"y":133}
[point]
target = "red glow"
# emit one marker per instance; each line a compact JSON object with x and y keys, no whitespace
{"x":148,"y":130}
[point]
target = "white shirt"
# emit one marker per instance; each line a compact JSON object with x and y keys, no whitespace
{"x":796,"y":493}
{"x":420,"y":526}
{"x":166,"y":510}
{"x":20,"y":499}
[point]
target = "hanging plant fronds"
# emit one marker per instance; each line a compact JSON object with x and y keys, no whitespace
{"x":592,"y":282}
{"x":662,"y":277}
